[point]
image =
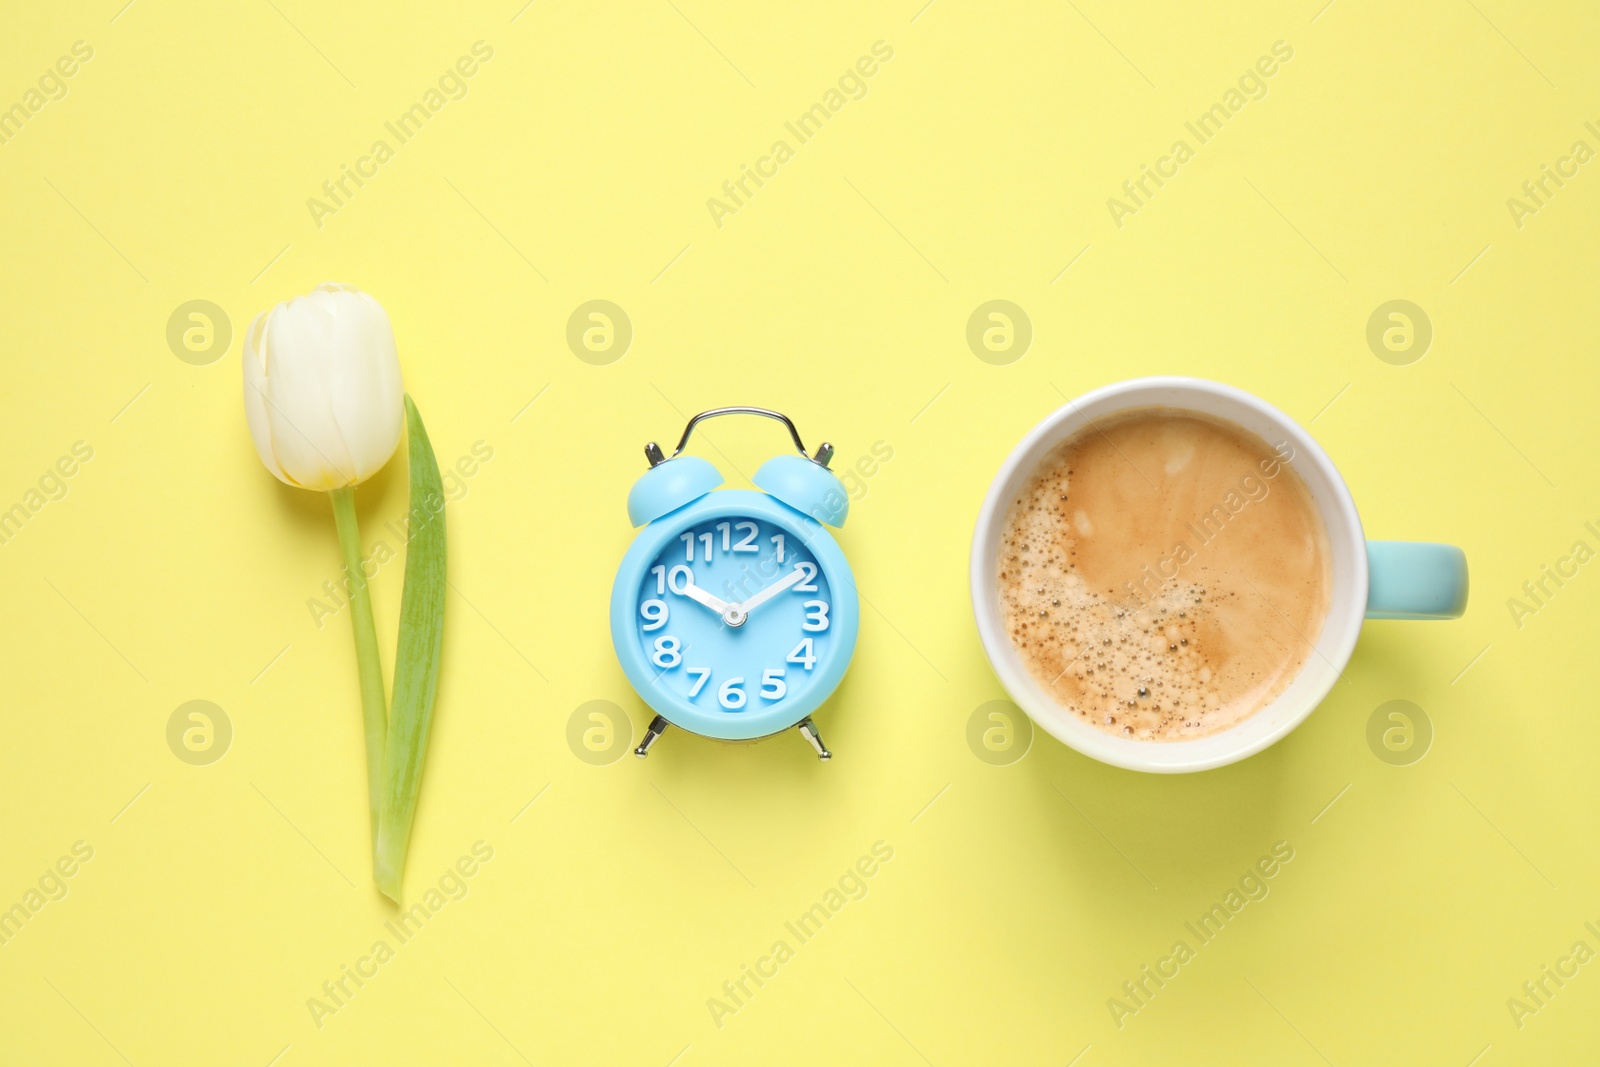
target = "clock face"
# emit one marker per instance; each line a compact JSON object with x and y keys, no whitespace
{"x":735,"y":617}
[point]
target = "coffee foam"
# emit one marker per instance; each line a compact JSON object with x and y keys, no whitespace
{"x":1164,"y":575}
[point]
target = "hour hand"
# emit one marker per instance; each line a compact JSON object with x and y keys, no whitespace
{"x":695,"y":593}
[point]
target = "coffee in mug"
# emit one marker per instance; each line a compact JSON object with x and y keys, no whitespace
{"x":1164,"y":574}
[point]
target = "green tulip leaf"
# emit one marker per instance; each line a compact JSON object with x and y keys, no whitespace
{"x":416,"y":661}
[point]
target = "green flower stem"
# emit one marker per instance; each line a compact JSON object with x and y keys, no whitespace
{"x":374,"y":712}
{"x":416,"y":658}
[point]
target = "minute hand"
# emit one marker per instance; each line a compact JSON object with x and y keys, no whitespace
{"x":782,"y":585}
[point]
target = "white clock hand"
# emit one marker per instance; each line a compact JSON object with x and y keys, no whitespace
{"x":792,"y":579}
{"x":695,"y":593}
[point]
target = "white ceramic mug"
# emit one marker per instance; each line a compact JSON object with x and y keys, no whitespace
{"x":1377,"y":579}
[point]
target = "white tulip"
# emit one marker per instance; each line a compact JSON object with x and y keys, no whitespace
{"x":322,"y":390}
{"x":323,"y":399}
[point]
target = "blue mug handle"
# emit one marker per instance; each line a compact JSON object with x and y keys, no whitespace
{"x":1416,"y":580}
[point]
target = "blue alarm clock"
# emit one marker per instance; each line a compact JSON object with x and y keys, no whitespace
{"x":734,"y":613}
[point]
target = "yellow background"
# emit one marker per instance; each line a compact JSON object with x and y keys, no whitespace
{"x":577,"y":167}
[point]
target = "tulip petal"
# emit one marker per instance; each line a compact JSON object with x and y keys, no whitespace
{"x":365,"y":390}
{"x":256,"y":386}
{"x":298,"y":342}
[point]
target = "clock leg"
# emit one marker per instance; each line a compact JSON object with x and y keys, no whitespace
{"x":808,"y":730}
{"x":658,"y":725}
